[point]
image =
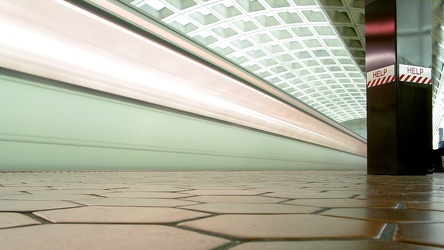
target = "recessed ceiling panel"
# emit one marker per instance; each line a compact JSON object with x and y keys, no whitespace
{"x":313,"y":50}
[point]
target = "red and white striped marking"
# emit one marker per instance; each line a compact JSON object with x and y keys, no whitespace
{"x":381,"y":76}
{"x":409,"y":73}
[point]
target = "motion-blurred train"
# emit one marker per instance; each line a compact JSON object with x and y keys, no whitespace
{"x":80,"y":92}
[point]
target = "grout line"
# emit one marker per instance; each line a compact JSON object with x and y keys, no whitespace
{"x":228,"y":245}
{"x":208,"y":215}
{"x":388,"y":232}
{"x":97,"y":195}
{"x":401,"y":205}
{"x":321,"y":210}
{"x":20,"y":226}
{"x":37,"y":218}
{"x":208,"y":233}
{"x":286,"y":200}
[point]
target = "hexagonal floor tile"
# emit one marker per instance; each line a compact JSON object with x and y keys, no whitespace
{"x":100,"y":214}
{"x":427,"y":234}
{"x":136,"y":202}
{"x":235,"y":199}
{"x":328,"y":245}
{"x":150,"y":195}
{"x":387,"y":215}
{"x":342,"y":203}
{"x":295,"y":226}
{"x":235,"y":208}
{"x":212,"y":192}
{"x":105,"y":237}
{"x":29,"y":206}
{"x":15,"y":219}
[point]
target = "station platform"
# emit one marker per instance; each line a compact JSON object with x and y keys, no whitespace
{"x":236,"y":210}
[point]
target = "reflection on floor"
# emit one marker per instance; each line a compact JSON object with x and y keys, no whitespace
{"x":220,"y":210}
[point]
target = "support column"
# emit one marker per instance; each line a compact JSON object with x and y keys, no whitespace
{"x":399,"y":91}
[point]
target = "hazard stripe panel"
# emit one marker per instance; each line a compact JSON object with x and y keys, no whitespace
{"x":415,"y":79}
{"x":380,"y":81}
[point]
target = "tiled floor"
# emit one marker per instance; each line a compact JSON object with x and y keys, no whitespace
{"x":220,"y":210}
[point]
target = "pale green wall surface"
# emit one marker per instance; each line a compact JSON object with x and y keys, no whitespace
{"x":49,"y":127}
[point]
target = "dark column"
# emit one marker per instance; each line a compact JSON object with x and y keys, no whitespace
{"x":399,"y":92}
